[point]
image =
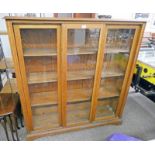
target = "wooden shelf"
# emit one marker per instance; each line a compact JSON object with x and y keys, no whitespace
{"x":107,"y":93}
{"x":75,"y":95}
{"x":43,"y":99}
{"x":36,"y":78}
{"x":37,"y":52}
{"x":50,"y":98}
{"x":115,"y":51}
{"x":42,"y":77}
{"x":82,"y":51}
{"x":112,"y":74}
{"x":78,"y":95}
{"x":79,"y":75}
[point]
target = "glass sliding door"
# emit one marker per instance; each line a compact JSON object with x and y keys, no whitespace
{"x":116,"y":56}
{"x":40,"y":52}
{"x":82,"y":50}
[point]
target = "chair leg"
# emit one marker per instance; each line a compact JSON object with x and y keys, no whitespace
{"x":21,"y":115}
{"x":16,"y":121}
{"x":15,"y":125}
{"x":11,"y":127}
{"x":21,"y":121}
{"x":3,"y":122}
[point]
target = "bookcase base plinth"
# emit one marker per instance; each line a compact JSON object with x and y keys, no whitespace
{"x":38,"y":134}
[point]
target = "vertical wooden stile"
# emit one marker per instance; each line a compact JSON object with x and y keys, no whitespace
{"x":98,"y":72}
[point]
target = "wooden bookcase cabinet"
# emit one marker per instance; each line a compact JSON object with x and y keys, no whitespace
{"x":72,"y":73}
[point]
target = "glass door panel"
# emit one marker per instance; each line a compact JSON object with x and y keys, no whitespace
{"x":82,"y":49}
{"x":117,"y":50}
{"x":40,"y":58}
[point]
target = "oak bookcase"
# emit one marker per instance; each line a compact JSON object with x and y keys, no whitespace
{"x":72,"y":73}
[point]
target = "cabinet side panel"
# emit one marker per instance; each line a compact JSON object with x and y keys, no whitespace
{"x":23,"y":72}
{"x":59,"y":70}
{"x":18,"y":75}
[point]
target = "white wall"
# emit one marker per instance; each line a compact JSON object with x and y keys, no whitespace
{"x":131,"y":16}
{"x":149,"y":26}
{"x":6,"y":46}
{"x":4,"y":38}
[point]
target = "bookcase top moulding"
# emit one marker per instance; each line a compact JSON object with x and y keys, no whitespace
{"x":17,"y":19}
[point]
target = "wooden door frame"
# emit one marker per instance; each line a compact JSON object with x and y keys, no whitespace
{"x":127,"y":73}
{"x":65,"y":27}
{"x":130,"y":69}
{"x":21,"y":63}
{"x":18,"y":73}
{"x":98,"y":72}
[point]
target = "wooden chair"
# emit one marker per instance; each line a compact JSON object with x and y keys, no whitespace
{"x":9,"y":98}
{"x":7,"y":115}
